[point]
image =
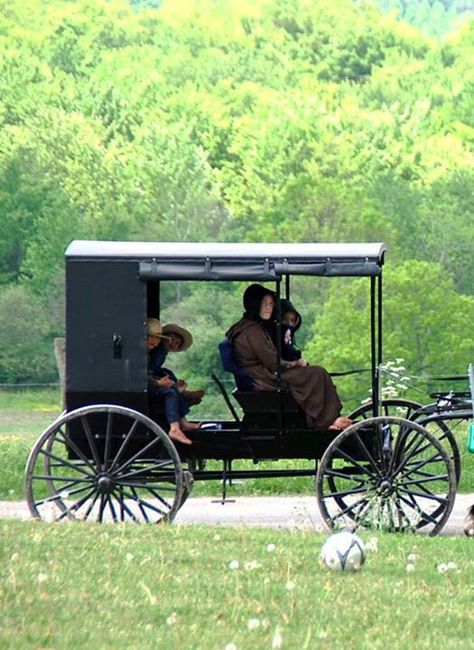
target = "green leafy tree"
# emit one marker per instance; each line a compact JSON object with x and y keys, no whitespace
{"x":26,"y":354}
{"x":426,"y":323}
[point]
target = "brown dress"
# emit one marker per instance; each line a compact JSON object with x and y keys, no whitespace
{"x":311,"y":386}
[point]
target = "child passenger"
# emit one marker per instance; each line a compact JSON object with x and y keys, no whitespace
{"x":290,"y":322}
{"x":162,"y":384}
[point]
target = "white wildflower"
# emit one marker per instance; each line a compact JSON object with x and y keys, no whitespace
{"x":411,"y":557}
{"x":253,"y":564}
{"x":230,"y":646}
{"x":271,"y":548}
{"x":442,"y":568}
{"x":129,"y":557}
{"x":253,"y":623}
{"x":233,"y":565}
{"x":410,"y":568}
{"x":277,"y":640}
{"x":172,"y":619}
{"x":42,"y":577}
{"x":217,"y":538}
{"x":452,"y":566}
{"x":290,"y":585}
{"x":372,"y":544}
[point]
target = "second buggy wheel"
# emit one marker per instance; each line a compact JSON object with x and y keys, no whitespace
{"x":386,"y":473}
{"x":104,"y":463}
{"x":410,"y":410}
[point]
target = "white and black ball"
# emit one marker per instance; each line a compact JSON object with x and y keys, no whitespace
{"x":343,"y":551}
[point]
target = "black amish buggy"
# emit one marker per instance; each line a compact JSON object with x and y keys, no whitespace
{"x":108,"y":456}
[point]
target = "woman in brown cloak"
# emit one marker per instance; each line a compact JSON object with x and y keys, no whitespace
{"x":311,"y":386}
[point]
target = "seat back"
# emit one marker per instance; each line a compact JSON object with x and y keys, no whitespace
{"x":243,"y":380}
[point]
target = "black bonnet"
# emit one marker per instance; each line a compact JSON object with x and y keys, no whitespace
{"x":253,"y":297}
{"x":286,"y":306}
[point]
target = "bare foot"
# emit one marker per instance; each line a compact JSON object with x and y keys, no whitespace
{"x":340,"y":424}
{"x":175,"y":433}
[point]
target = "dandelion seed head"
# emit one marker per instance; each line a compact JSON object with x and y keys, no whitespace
{"x":411,"y":557}
{"x":372,"y":544}
{"x":172,"y":619}
{"x":277,"y":640}
{"x":442,"y":568}
{"x":129,"y":557}
{"x":271,"y":548}
{"x":230,"y":646}
{"x":233,"y":565}
{"x":290,"y":585}
{"x":252,"y":565}
{"x":410,"y":568}
{"x":42,"y":577}
{"x":253,"y":623}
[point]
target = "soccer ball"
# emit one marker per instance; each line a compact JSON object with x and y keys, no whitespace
{"x":343,"y":551}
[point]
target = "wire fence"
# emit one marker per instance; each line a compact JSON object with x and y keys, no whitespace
{"x":28,"y":385}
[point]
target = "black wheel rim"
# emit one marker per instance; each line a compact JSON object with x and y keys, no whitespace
{"x":386,"y":473}
{"x":104,"y":463}
{"x":410,"y":410}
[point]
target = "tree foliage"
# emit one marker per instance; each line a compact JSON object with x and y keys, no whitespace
{"x":292,"y":120}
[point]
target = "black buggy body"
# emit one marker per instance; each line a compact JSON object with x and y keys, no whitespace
{"x":108,"y":457}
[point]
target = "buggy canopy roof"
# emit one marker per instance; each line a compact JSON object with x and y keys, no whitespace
{"x":234,"y":261}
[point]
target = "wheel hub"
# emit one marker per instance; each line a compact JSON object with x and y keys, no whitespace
{"x":104,"y":484}
{"x":385,"y":486}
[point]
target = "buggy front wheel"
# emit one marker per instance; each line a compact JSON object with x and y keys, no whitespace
{"x":104,"y":463}
{"x":386,"y":473}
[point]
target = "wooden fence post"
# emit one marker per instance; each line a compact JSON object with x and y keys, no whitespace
{"x":60,"y":355}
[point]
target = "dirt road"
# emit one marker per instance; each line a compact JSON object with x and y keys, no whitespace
{"x":273,"y":512}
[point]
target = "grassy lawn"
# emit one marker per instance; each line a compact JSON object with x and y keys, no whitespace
{"x":124,"y":586}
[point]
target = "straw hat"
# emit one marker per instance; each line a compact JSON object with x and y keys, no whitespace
{"x":173,"y":328}
{"x":155,"y":328}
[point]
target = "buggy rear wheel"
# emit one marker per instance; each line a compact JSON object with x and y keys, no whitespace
{"x":104,"y":463}
{"x":386,"y":473}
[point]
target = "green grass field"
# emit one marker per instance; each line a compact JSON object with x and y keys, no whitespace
{"x":124,"y":586}
{"x":24,"y":415}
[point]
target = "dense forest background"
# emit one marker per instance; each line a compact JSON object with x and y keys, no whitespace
{"x":257,"y":120}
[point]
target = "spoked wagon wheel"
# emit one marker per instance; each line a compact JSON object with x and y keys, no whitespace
{"x":386,"y":473}
{"x":104,"y":463}
{"x":410,"y":410}
{"x":396,"y":407}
